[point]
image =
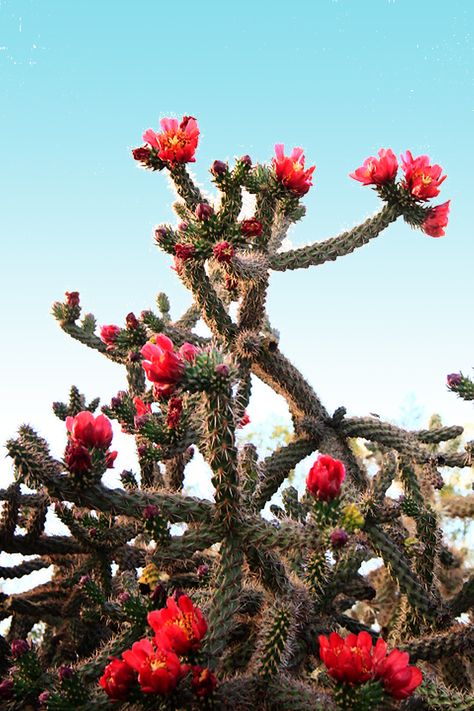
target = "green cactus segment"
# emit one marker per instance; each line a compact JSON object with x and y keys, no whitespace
{"x":275,"y":642}
{"x":439,"y":697}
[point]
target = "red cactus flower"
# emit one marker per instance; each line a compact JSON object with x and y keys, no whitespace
{"x":377,"y":171}
{"x":89,"y":430}
{"x":184,"y":251}
{"x":72,"y":298}
{"x":245,"y":420}
{"x":436,"y":220}
{"x":177,"y":142}
{"x":325,"y":478}
{"x":158,"y":669}
{"x":179,"y":623}
{"x":422,"y":180}
{"x":251,"y":227}
{"x":224,"y":252}
{"x":203,"y":681}
{"x":142,"y":408}
{"x":117,"y":679}
{"x":175,"y":409}
{"x":163,"y":366}
{"x":398,"y":678}
{"x":110,"y":458}
{"x":108,"y":334}
{"x":347,"y":660}
{"x":290,"y":170}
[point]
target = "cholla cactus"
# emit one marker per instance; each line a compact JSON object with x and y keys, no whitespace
{"x":235,"y":611}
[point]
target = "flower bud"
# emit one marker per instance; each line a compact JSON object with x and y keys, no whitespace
{"x":246,"y":160}
{"x":44,"y":697}
{"x":6,"y":689}
{"x":219,"y":168}
{"x":65,"y":672}
{"x":222,"y":370}
{"x":339,"y":538}
{"x":453,"y":380}
{"x":203,"y":211}
{"x":84,"y":579}
{"x":161,"y":234}
{"x":72,"y":298}
{"x":141,"y":154}
{"x":123,"y":597}
{"x":131,"y":321}
{"x":150,"y":511}
{"x":19,"y":647}
{"x":202,"y":570}
{"x":183,"y":226}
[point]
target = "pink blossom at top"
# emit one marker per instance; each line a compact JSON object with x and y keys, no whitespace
{"x":377,"y":171}
{"x":422,"y":180}
{"x":290,"y":170}
{"x":177,"y":142}
{"x":436,"y":220}
{"x":90,"y":431}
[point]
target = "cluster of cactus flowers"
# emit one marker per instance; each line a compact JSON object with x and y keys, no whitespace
{"x":161,"y":600}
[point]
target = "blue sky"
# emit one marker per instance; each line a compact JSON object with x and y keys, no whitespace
{"x":80,"y":81}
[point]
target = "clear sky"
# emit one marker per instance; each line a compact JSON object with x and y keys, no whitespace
{"x":81,"y":80}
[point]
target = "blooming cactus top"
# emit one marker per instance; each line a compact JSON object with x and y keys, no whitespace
{"x":177,"y":142}
{"x":290,"y":170}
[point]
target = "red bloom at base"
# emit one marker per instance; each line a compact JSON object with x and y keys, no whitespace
{"x":354,"y":660}
{"x":159,"y":670}
{"x":399,"y":679}
{"x":377,"y":171}
{"x":422,"y":180}
{"x":89,"y":430}
{"x":325,"y":478}
{"x":177,"y":142}
{"x":180,"y":625}
{"x":290,"y":170}
{"x":117,"y":679}
{"x":436,"y":220}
